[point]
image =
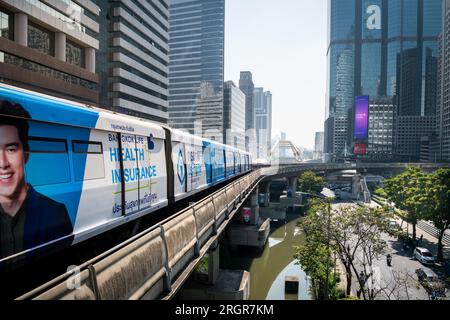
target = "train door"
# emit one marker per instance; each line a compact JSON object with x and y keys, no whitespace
{"x":152,"y":176}
{"x":132,"y":150}
{"x":179,"y":168}
{"x":207,"y":156}
{"x":219,"y":164}
{"x":229,"y":161}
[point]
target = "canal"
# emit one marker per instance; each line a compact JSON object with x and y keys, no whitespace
{"x":269,"y":268}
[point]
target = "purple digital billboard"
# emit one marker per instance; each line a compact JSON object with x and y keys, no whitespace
{"x":361,"y":117}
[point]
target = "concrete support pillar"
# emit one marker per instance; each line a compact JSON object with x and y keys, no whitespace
{"x":254,"y":219}
{"x":268,"y":186}
{"x":292,"y":184}
{"x":214,"y":264}
{"x":60,"y":46}
{"x":21,"y":29}
{"x":90,"y":59}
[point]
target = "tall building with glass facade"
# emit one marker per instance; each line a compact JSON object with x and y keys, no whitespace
{"x":247,"y":87}
{"x":442,"y":149}
{"x":382,"y":49}
{"x":197,"y":30}
{"x":133,"y":58}
{"x":50,"y":47}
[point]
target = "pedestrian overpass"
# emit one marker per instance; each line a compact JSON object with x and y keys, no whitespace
{"x":156,"y":263}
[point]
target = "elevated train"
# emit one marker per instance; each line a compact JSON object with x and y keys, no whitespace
{"x":69,"y":172}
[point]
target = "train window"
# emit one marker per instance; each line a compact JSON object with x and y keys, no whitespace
{"x":48,"y":162}
{"x":47,"y":145}
{"x":88,"y":161}
{"x":87,"y":147}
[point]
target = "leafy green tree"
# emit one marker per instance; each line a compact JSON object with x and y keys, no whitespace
{"x":314,"y":254}
{"x":351,"y":233}
{"x":356,"y":239}
{"x":309,"y":182}
{"x":436,"y":196}
{"x":406,"y":191}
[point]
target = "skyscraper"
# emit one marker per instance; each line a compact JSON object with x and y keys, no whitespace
{"x":262,"y":101}
{"x":50,"y":47}
{"x":443,"y":107}
{"x":381,"y":49}
{"x":197,"y":31}
{"x":234,"y":116}
{"x":318,"y":146}
{"x":247,"y":87}
{"x":133,"y":58}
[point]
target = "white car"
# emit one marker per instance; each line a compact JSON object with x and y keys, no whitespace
{"x":423,"y":255}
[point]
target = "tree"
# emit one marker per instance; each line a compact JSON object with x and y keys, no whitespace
{"x":356,"y":239}
{"x":406,"y":191}
{"x":436,"y":195}
{"x":314,"y":253}
{"x":352,"y":233}
{"x":309,"y":182}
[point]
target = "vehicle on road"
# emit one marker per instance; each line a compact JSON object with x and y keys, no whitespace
{"x":423,"y":255}
{"x":431,"y":282}
{"x":393,"y":228}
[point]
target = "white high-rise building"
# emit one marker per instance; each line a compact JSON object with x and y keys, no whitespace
{"x":234,"y":116}
{"x":318,"y":146}
{"x":263,"y":109}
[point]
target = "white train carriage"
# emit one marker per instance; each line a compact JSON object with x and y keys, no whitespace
{"x":69,"y":172}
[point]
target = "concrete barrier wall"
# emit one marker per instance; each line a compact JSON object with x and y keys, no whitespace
{"x":120,"y":275}
{"x":180,"y":235}
{"x":221,"y":206}
{"x":63,"y":292}
{"x":204,"y":216}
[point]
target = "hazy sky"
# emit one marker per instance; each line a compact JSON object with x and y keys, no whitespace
{"x":283,"y":44}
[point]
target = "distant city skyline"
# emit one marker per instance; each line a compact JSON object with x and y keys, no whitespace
{"x":286,"y":56}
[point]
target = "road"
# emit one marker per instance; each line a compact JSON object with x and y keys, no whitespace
{"x":398,"y":282}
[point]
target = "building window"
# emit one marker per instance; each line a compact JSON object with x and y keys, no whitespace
{"x":5,"y":25}
{"x":46,"y":71}
{"x":41,"y":39}
{"x":74,"y":54}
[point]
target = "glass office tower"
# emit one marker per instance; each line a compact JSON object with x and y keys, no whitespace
{"x":196,"y":67}
{"x":382,"y":49}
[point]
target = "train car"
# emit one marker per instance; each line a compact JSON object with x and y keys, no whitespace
{"x":69,"y":172}
{"x":189,"y":172}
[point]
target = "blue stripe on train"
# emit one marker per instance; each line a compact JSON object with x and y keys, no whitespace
{"x":56,"y":175}
{"x":49,"y":110}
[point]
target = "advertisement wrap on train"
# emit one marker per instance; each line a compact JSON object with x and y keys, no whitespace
{"x":69,"y":172}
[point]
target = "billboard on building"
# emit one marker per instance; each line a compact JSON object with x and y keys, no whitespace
{"x":361,"y":118}
{"x":360,"y":148}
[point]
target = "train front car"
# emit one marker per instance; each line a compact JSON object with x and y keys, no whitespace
{"x":69,"y":172}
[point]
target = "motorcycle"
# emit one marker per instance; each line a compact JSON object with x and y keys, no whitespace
{"x":389,"y":260}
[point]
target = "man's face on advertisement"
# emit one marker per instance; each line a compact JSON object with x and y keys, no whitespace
{"x":12,"y":162}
